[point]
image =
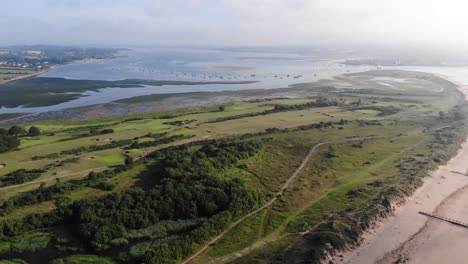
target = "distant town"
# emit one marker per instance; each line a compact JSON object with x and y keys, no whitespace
{"x":23,"y":61}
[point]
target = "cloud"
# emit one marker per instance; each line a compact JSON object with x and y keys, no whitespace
{"x":174,"y":8}
{"x":235,"y":22}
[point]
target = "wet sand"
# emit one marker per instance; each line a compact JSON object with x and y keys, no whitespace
{"x":438,"y":241}
{"x":409,"y":237}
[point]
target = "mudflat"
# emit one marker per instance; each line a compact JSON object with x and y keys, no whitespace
{"x":228,"y":68}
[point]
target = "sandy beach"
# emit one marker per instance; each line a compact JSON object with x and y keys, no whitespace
{"x":409,"y":237}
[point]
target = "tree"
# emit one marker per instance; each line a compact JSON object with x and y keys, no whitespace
{"x":8,"y":143}
{"x":34,"y":131}
{"x":15,"y":131}
{"x":221,"y":108}
{"x":128,"y":161}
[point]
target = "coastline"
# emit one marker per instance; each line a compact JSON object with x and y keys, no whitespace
{"x":409,"y":237}
{"x":32,"y":74}
{"x":51,"y":68}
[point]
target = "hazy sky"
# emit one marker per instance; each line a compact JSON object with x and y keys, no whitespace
{"x":235,"y":22}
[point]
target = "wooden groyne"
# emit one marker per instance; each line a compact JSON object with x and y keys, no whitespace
{"x":442,"y":218}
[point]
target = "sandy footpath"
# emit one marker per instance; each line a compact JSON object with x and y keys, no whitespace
{"x":408,"y":237}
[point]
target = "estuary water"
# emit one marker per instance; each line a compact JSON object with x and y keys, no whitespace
{"x":269,"y":69}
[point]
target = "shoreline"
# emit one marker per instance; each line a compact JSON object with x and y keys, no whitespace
{"x":51,"y":68}
{"x":401,"y":237}
{"x":27,"y":76}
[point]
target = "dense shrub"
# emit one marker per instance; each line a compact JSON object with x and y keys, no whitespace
{"x":8,"y":143}
{"x":20,"y":176}
{"x":34,"y":131}
{"x":189,"y":188}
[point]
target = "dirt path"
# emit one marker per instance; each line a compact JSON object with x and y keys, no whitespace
{"x":52,"y":178}
{"x":271,"y":201}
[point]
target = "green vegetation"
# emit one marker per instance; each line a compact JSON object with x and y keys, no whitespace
{"x":43,"y":91}
{"x":25,"y":243}
{"x":34,"y":131}
{"x":157,"y":187}
{"x":8,"y":143}
{"x":9,"y":138}
{"x":20,"y":176}
{"x":83,"y":259}
{"x":12,"y":261}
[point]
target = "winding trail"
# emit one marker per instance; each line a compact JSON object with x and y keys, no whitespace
{"x":52,"y":178}
{"x":272,"y":200}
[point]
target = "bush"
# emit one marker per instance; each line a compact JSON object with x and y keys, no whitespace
{"x":129,"y":161}
{"x":15,"y":131}
{"x":13,"y":261}
{"x":83,"y":259}
{"x":107,"y":131}
{"x":8,"y":143}
{"x":34,"y":131}
{"x":20,"y":176}
{"x":30,"y":243}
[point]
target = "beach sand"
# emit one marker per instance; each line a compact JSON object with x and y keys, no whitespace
{"x":438,"y":241}
{"x":409,"y":237}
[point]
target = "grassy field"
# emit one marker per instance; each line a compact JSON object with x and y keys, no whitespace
{"x":397,"y":137}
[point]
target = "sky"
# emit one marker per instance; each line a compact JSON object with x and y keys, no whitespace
{"x":435,"y":23}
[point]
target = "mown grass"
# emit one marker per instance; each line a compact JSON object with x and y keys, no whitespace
{"x":112,"y":158}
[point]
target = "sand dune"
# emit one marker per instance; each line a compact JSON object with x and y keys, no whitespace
{"x":408,"y":237}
